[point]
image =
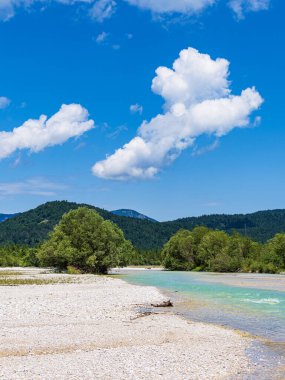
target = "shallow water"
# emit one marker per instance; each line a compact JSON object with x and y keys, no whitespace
{"x":248,"y":302}
{"x":223,"y":299}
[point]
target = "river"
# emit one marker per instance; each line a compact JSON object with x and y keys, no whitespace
{"x":251,"y":303}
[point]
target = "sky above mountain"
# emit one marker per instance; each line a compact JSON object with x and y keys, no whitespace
{"x":169,"y":108}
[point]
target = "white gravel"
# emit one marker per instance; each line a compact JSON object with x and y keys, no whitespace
{"x":92,"y":329}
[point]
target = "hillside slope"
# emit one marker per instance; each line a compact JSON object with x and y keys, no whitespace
{"x":33,"y":226}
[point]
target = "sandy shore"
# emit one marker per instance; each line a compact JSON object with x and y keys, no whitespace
{"x":92,"y":327}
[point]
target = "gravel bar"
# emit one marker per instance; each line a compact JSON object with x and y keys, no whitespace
{"x":92,"y":327}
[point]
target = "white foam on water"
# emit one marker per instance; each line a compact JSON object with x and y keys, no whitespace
{"x":269,"y":301}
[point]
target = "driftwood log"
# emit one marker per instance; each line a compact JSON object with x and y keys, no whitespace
{"x":167,"y":303}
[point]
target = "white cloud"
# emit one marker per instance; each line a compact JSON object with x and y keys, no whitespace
{"x":136,"y":108}
{"x":170,"y":6}
{"x":102,"y":10}
{"x":36,"y":134}
{"x":189,"y":7}
{"x":240,"y":7}
{"x":4,"y":102}
{"x":120,"y":129}
{"x":16,"y":162}
{"x":198,"y":101}
{"x":33,"y":186}
{"x":102,"y":37}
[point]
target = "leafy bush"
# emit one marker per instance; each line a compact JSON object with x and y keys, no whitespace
{"x":72,"y":270}
{"x":16,"y":256}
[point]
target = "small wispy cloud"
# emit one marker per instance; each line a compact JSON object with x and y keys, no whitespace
{"x":102,"y":37}
{"x":81,"y":145}
{"x":120,"y":129}
{"x":99,"y":10}
{"x":34,"y":186}
{"x":136,"y":108}
{"x":205,"y":149}
{"x":257,"y":121}
{"x":4,"y":102}
{"x":16,"y":162}
{"x":162,"y":8}
{"x":116,"y":47}
{"x":102,"y":10}
{"x":241,"y":7}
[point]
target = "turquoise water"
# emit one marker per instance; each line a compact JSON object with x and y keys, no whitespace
{"x":213,"y":298}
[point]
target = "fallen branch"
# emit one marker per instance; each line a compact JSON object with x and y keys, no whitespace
{"x":167,"y":303}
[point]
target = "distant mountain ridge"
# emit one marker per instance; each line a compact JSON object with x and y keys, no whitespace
{"x":33,"y":226}
{"x":4,"y":217}
{"x":132,"y":214}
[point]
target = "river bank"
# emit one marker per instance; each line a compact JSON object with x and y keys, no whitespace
{"x":86,"y":327}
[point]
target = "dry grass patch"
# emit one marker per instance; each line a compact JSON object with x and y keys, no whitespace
{"x":4,"y":273}
{"x":9,"y":281}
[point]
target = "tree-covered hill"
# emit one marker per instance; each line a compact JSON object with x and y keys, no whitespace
{"x":259,"y":226}
{"x":32,"y":227}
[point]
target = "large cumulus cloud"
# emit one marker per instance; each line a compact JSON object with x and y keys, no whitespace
{"x":198,"y":100}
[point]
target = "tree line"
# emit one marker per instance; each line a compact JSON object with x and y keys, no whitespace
{"x":85,"y":242}
{"x":204,"y":249}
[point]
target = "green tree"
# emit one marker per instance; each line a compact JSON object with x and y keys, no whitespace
{"x":198,"y":233}
{"x":274,"y":251}
{"x":230,"y":257}
{"x":85,"y":240}
{"x":178,"y":252}
{"x":212,"y":244}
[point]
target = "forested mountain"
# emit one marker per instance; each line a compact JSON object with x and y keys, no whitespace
{"x":33,"y":226}
{"x":132,"y":214}
{"x":259,"y":226}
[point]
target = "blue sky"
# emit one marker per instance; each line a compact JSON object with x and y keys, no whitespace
{"x":205,"y":147}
